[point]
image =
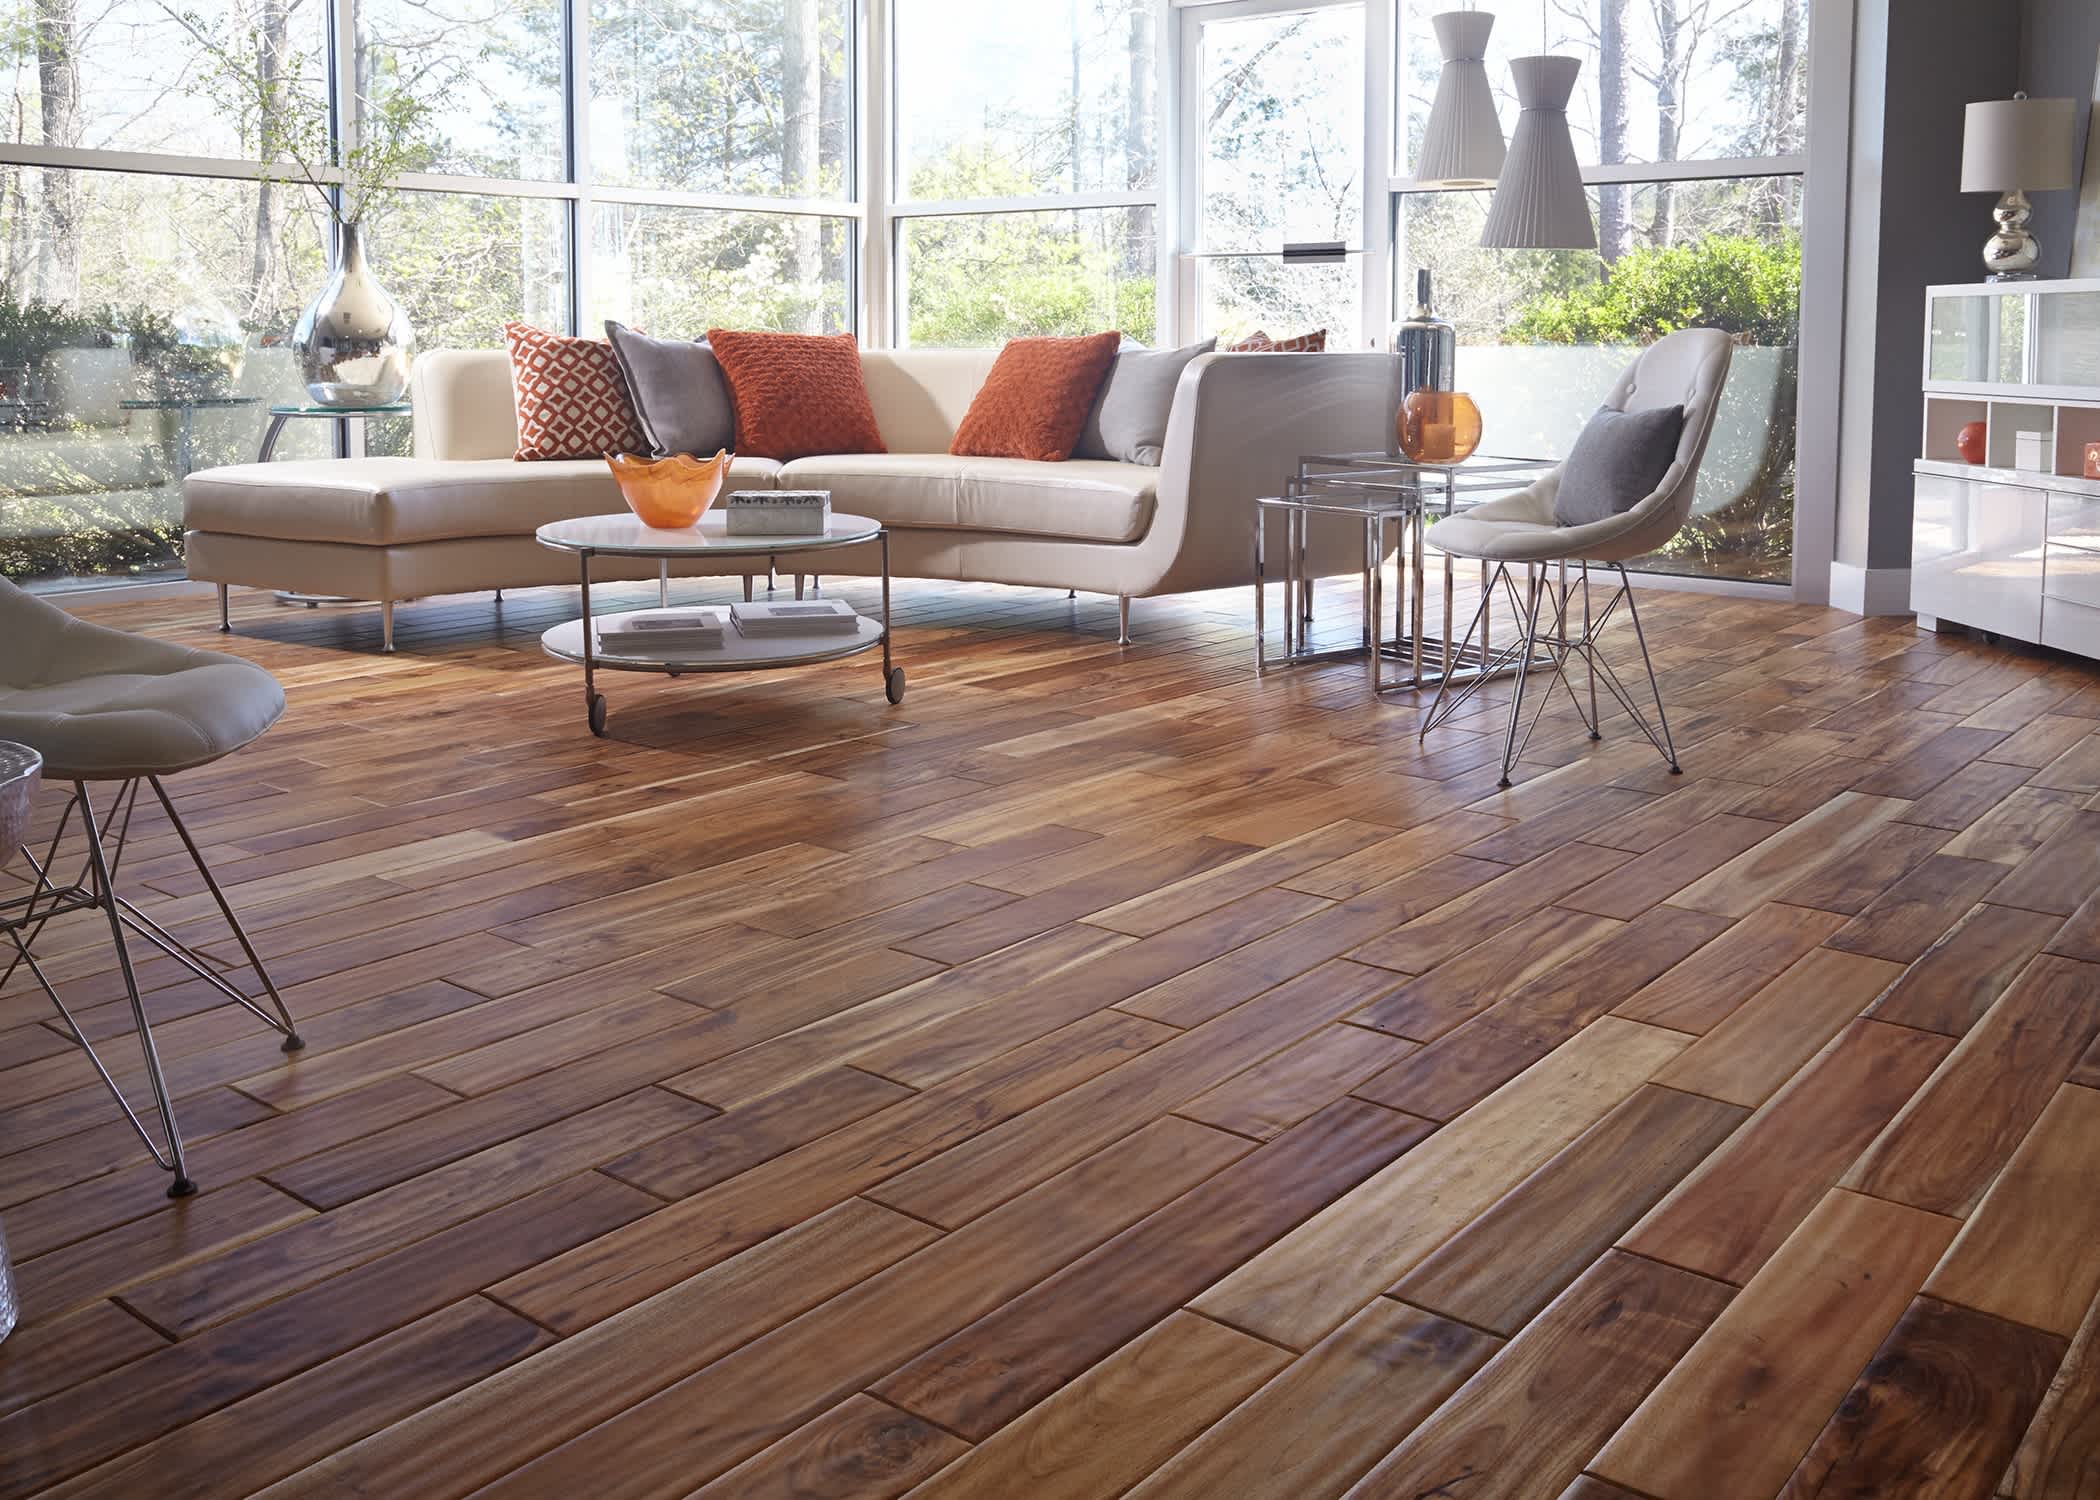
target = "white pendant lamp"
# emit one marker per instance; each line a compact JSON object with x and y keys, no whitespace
{"x":1462,"y":143}
{"x":1539,"y":201}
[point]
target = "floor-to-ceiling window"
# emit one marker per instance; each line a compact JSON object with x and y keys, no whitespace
{"x":1688,"y":122}
{"x":671,"y":163}
{"x":1025,"y":169}
{"x":678,"y":164}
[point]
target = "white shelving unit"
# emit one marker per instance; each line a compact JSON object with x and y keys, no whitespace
{"x":1993,"y":546}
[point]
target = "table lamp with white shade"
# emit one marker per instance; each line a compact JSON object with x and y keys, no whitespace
{"x":2013,"y":147}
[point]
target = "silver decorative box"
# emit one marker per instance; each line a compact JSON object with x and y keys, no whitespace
{"x":778,"y":512}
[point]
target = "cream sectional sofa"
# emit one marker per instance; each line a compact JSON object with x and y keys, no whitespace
{"x":459,"y":516}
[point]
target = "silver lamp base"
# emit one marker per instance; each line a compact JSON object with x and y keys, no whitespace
{"x":2012,"y":253}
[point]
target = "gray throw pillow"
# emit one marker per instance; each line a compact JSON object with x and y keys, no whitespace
{"x":1129,"y":419}
{"x":678,"y":392}
{"x":1617,"y":463}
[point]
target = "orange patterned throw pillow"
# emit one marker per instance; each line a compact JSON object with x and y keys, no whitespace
{"x":572,"y":401}
{"x":796,"y":394}
{"x":1035,"y":402}
{"x":1259,"y":342}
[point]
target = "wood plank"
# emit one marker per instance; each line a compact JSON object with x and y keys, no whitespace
{"x":2061,"y":872}
{"x":1320,"y":1424}
{"x":1736,"y":1209}
{"x":1528,"y":1422}
{"x":1699,"y":993}
{"x":90,"y":1422}
{"x":1121,"y":1419}
{"x":988,"y":1374}
{"x":1910,"y":915}
{"x":1281,"y":1090}
{"x":1671,"y":866}
{"x":44,"y":1354}
{"x":1949,"y":987}
{"x":1428,"y":940}
{"x":1761,"y":872}
{"x":1968,"y":795}
{"x":710,"y":1421}
{"x":2020,"y":824}
{"x":572,"y":1291}
{"x":2031,"y":1252}
{"x":1942,"y":1151}
{"x":1936,"y":1414}
{"x":1501,"y":1269}
{"x":1309,"y":1282}
{"x":1764,"y":1040}
{"x":2059,"y":1457}
{"x":454,"y":1446}
{"x":969,"y":1178}
{"x":1853,"y":880}
{"x":241,"y":1448}
{"x":687,"y":1161}
{"x":859,"y":1450}
{"x":1458,"y":1069}
{"x":1195,"y":895}
{"x":1387,"y":860}
{"x":1485,"y":974}
{"x":1731,"y":1420}
{"x":195,"y":1296}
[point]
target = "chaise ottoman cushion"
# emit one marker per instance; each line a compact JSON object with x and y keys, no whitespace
{"x":392,"y":501}
{"x":1078,"y":500}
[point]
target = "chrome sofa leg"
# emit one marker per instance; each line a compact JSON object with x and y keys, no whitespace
{"x":225,"y":621}
{"x":1122,"y":619}
{"x":798,"y":585}
{"x":386,"y":625}
{"x":747,"y":588}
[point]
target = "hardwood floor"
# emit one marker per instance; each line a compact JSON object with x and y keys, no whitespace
{"x":1102,"y":1074}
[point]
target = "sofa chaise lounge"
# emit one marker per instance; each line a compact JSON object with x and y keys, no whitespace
{"x":459,"y":516}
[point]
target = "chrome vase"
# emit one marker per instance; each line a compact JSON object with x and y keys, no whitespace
{"x":353,"y":342}
{"x":1425,"y":353}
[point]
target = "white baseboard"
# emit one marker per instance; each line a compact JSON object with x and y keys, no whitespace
{"x":1869,"y":591}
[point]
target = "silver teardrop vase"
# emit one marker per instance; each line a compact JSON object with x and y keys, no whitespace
{"x":353,"y":341}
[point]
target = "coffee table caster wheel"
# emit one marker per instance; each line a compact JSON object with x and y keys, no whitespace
{"x":893,"y":684}
{"x":598,"y":715}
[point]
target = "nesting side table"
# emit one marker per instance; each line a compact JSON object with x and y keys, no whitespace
{"x":1380,"y":491}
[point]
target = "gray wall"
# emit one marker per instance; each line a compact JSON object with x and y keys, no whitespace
{"x":1915,"y":65}
{"x":2059,"y":42}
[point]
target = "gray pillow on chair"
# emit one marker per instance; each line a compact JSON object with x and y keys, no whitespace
{"x":1617,"y":463}
{"x":678,"y":391}
{"x":1129,"y":419}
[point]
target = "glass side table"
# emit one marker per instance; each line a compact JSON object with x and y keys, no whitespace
{"x":1379,"y":491}
{"x":285,"y":412}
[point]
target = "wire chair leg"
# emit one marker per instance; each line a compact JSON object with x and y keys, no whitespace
{"x":182,"y":1186}
{"x":1533,"y":595}
{"x":1669,"y":746}
{"x":292,"y":1040}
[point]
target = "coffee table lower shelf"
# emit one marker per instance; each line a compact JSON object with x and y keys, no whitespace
{"x":737,"y":653}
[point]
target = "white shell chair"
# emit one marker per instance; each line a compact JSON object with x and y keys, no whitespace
{"x":102,"y":705}
{"x":1519,"y":531}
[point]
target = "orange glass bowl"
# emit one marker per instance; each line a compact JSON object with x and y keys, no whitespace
{"x":1439,"y":427}
{"x":669,"y":493}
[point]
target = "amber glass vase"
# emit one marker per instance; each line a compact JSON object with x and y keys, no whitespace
{"x":1439,"y":427}
{"x":669,"y":493}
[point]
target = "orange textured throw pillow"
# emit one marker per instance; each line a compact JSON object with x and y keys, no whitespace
{"x":572,"y":400}
{"x":1035,"y":402}
{"x":796,"y":394}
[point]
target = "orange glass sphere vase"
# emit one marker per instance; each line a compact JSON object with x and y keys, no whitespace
{"x":669,"y":493}
{"x":1439,"y":427}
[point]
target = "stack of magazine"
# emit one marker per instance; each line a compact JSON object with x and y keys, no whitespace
{"x":800,"y":617}
{"x":661,"y":632}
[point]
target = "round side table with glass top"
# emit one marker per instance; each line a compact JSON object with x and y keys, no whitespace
{"x":284,"y":412}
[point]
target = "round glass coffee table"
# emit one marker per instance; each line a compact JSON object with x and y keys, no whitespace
{"x":625,"y":536}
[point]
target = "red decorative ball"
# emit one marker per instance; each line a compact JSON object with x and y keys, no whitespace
{"x":1969,"y":442}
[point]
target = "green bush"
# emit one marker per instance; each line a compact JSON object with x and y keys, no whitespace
{"x":1748,"y":287}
